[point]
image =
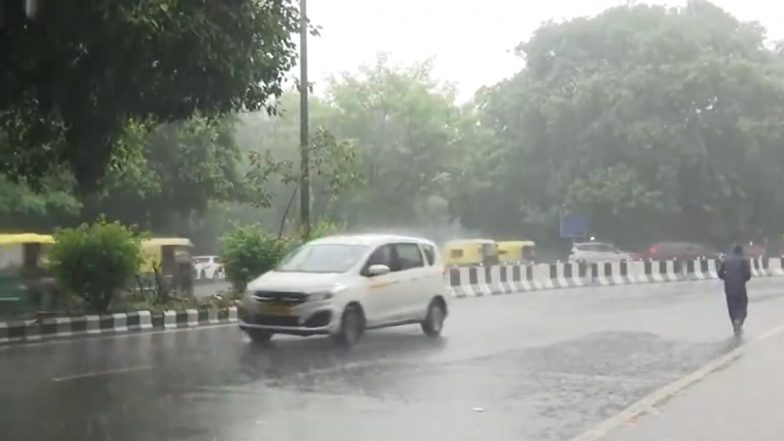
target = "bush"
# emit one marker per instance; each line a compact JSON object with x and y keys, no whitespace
{"x":248,"y":252}
{"x":94,"y":261}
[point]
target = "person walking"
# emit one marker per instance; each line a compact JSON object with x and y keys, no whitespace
{"x":735,"y":271}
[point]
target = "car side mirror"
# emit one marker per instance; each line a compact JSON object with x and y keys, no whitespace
{"x":378,"y":270}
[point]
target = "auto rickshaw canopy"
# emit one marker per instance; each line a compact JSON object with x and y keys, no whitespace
{"x":471,"y":252}
{"x":23,"y":238}
{"x":514,"y":251}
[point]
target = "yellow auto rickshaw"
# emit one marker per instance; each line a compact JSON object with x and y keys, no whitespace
{"x":25,"y":284}
{"x":516,"y":251}
{"x":471,"y":252}
{"x":169,"y":259}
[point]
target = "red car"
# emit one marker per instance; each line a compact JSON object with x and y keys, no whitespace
{"x":679,"y":251}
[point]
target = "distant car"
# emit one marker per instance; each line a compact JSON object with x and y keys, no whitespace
{"x":343,"y":285}
{"x":597,"y":252}
{"x":755,"y":251}
{"x":207,"y":267}
{"x":679,"y":251}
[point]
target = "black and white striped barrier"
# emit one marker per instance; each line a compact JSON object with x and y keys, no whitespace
{"x":477,"y":281}
{"x":138,"y":321}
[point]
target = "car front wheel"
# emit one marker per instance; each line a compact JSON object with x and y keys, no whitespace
{"x":259,"y":335}
{"x":434,"y":322}
{"x":352,"y":326}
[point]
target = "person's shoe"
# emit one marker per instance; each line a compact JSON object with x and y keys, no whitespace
{"x":737,"y":327}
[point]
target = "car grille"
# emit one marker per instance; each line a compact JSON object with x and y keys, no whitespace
{"x":281,"y":298}
{"x":271,"y":320}
{"x":319,"y":319}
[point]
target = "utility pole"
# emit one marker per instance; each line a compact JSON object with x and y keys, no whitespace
{"x":304,"y":193}
{"x":31,"y":8}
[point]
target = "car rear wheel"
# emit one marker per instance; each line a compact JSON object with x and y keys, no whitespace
{"x":259,"y":335}
{"x":434,"y":322}
{"x":352,"y":326}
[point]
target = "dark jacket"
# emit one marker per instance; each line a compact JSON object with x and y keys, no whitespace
{"x":735,"y":270}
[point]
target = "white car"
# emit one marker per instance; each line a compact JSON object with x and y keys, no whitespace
{"x":343,"y":285}
{"x":207,"y":267}
{"x":590,"y":252}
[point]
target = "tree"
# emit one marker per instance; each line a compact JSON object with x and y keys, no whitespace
{"x":609,"y":195}
{"x":405,"y":125}
{"x":171,"y":171}
{"x":75,"y":75}
{"x":18,"y":199}
{"x":641,"y":103}
{"x":272,"y":143}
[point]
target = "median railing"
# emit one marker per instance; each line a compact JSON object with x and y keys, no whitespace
{"x":477,"y":281}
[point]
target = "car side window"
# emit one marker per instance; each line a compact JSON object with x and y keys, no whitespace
{"x":430,"y":254}
{"x":382,"y":256}
{"x":409,"y":256}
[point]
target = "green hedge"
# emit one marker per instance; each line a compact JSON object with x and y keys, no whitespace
{"x":248,"y":252}
{"x":94,"y":261}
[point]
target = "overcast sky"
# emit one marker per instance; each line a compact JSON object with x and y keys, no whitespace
{"x":470,"y":40}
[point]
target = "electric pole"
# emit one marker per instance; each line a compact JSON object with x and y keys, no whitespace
{"x":304,"y":193}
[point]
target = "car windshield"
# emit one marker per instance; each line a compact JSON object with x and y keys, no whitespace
{"x":322,"y":258}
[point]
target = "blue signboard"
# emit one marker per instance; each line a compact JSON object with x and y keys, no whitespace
{"x":574,"y":226}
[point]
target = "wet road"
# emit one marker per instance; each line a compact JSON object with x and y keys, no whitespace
{"x":740,"y":401}
{"x":537,"y":366}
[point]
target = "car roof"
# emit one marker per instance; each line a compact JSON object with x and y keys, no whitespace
{"x":368,"y":239}
{"x":577,"y":244}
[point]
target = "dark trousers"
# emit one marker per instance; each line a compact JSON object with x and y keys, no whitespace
{"x":737,"y":305}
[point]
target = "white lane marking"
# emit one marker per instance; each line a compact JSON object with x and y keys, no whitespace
{"x":101,"y":373}
{"x":87,"y":337}
{"x":649,"y":402}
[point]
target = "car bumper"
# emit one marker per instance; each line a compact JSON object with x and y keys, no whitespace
{"x":304,"y":319}
{"x":291,"y":330}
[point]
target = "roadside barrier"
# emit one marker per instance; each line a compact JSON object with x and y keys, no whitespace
{"x":474,"y":281}
{"x":477,"y":281}
{"x":138,"y":321}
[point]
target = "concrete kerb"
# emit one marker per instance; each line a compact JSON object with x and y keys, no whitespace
{"x":118,"y":323}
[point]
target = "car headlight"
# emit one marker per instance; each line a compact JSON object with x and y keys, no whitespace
{"x":321,"y":295}
{"x":325,"y":294}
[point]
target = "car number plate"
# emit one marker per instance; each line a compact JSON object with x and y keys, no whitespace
{"x":277,"y":310}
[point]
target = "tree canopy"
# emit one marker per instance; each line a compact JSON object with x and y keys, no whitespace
{"x":407,"y":128}
{"x":654,"y":122}
{"x":79,"y":71}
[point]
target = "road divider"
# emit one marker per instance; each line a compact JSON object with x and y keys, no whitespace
{"x":474,"y":281}
{"x":477,"y":281}
{"x":137,"y":321}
